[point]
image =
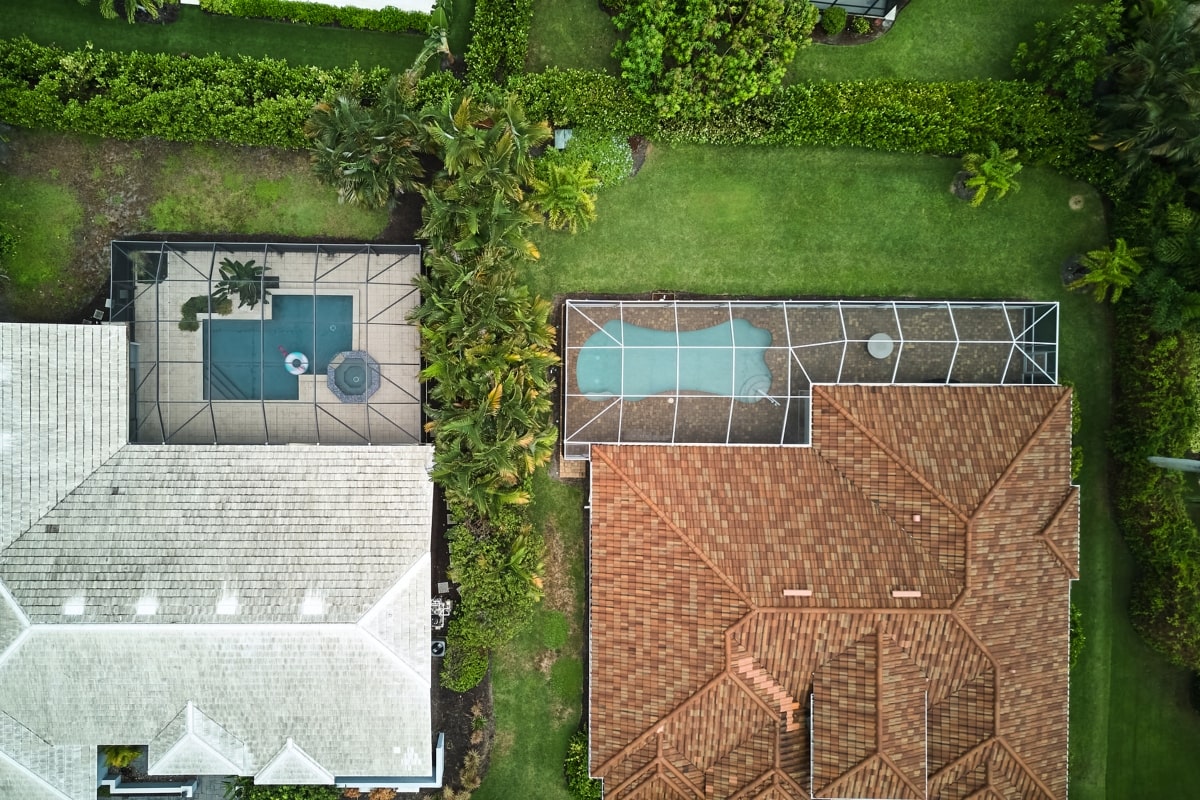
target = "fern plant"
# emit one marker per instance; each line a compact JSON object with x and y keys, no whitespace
{"x":994,"y":172}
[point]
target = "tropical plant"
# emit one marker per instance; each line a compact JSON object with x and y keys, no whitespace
{"x":993,"y":172}
{"x":1180,"y":247}
{"x":245,"y":279}
{"x":609,"y":154}
{"x":689,"y":58}
{"x":1172,"y":306}
{"x":1153,"y":116}
{"x":108,"y":8}
{"x":1070,"y":54}
{"x":121,"y":757}
{"x":369,"y":154}
{"x":566,"y":195}
{"x":1111,"y":269}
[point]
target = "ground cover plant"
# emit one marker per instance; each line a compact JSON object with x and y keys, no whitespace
{"x":67,"y":24}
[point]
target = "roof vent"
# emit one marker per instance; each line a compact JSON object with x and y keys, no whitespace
{"x":116,"y":490}
{"x":74,"y":606}
{"x":916,"y":517}
{"x":900,"y":594}
{"x":51,"y":529}
{"x":146,"y":607}
{"x":227,"y":605}
{"x":797,"y":592}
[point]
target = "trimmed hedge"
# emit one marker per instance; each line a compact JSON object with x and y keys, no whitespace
{"x":1156,"y":411}
{"x":947,"y":118}
{"x":124,"y":95}
{"x":499,"y":40}
{"x":388,"y":19}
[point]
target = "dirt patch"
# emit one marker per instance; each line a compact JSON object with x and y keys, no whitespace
{"x":117,"y":182}
{"x":558,"y":592}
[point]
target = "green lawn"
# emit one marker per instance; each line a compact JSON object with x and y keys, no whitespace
{"x":537,"y":680}
{"x":571,"y":34}
{"x":45,"y":217}
{"x":228,"y":190}
{"x":66,"y":23}
{"x":810,"y":222}
{"x":851,"y":223}
{"x":936,"y":40}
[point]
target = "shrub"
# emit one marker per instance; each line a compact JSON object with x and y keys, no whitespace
{"x":128,"y":95}
{"x":575,"y":767}
{"x":388,"y":19}
{"x":120,"y":756}
{"x":833,"y":20}
{"x":245,"y":789}
{"x":609,"y":154}
{"x":1077,"y":637}
{"x":994,"y":172}
{"x":1070,"y":54}
{"x":860,"y":25}
{"x":463,"y":667}
{"x":499,"y":40}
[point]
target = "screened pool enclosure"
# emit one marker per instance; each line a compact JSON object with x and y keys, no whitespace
{"x":270,"y":343}
{"x":741,"y":372}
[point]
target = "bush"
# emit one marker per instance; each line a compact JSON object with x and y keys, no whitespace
{"x":1077,"y":637}
{"x":388,"y":19}
{"x":463,"y":667}
{"x":609,"y":154}
{"x":246,"y":789}
{"x":860,"y":25}
{"x":1071,"y":54}
{"x":1156,"y":409}
{"x":124,"y":95}
{"x":499,"y":40}
{"x":575,"y":767}
{"x":833,"y":20}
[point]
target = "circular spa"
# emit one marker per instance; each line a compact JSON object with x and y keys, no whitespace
{"x":353,"y":376}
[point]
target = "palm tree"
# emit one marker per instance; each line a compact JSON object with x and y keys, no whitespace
{"x":994,"y":172}
{"x":565,"y":194}
{"x":246,"y":280}
{"x":1111,"y":269}
{"x":108,"y":8}
{"x":367,"y":153}
{"x":1154,"y":114}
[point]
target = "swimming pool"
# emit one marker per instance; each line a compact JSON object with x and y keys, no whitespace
{"x":244,"y":359}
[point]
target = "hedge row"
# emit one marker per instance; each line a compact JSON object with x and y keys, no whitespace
{"x":499,"y":40}
{"x":254,"y":101}
{"x":388,"y":19}
{"x":1156,"y":411}
{"x":893,"y":115}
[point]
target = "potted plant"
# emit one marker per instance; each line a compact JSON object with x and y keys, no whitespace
{"x":982,"y":175}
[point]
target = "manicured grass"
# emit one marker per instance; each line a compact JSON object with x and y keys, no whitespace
{"x":800,"y":222}
{"x":935,"y":40}
{"x":45,"y":217}
{"x":66,"y":23}
{"x":571,"y":34}
{"x":851,"y":224}
{"x":220,"y":190}
{"x":538,"y":688}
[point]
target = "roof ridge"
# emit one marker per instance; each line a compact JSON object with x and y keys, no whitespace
{"x":1003,"y":744}
{"x":893,"y":455}
{"x":1030,"y":440}
{"x":969,"y":754}
{"x":1044,"y":534}
{"x":900,"y":774}
{"x":645,"y":498}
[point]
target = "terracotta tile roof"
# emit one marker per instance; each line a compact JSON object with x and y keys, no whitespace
{"x":744,"y":601}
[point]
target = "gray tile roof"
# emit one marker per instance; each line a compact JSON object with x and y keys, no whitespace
{"x":63,"y":412}
{"x":189,"y":525}
{"x":289,"y":589}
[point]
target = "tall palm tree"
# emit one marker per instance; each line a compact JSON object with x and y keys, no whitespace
{"x":1154,"y":114}
{"x":565,"y":193}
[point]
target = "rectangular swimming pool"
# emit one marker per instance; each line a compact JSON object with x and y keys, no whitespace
{"x":244,"y":359}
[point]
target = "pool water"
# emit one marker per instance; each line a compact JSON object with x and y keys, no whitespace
{"x":242,"y":358}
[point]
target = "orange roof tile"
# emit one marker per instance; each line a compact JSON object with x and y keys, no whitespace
{"x":746,"y":638}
